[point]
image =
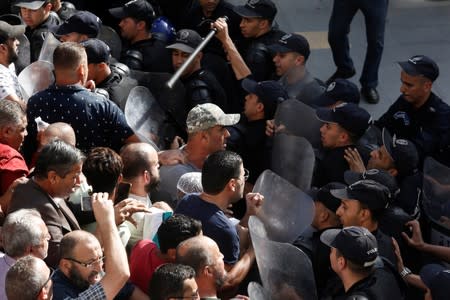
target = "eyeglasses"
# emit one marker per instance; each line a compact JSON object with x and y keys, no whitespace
{"x":193,"y":297}
{"x":52,"y":271}
{"x":88,"y":265}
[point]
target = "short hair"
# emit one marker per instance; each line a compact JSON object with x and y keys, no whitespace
{"x":197,"y":255}
{"x":20,"y":231}
{"x":355,"y":267}
{"x":218,"y":169}
{"x":68,"y":56}
{"x":57,"y":156}
{"x":176,"y":229}
{"x":135,"y":159}
{"x":71,"y":240}
{"x":102,"y":168}
{"x":11,"y":113}
{"x":168,"y":281}
{"x":24,"y":279}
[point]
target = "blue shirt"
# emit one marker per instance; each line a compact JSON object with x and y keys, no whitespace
{"x":214,"y":224}
{"x":96,"y":120}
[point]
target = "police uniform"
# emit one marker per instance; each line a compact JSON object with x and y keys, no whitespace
{"x":37,"y":35}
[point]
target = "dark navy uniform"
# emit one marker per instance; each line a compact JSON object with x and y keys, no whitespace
{"x":425,"y":126}
{"x":331,"y":167}
{"x":202,"y":87}
{"x":37,"y":35}
{"x":258,"y":57}
{"x":148,"y":55}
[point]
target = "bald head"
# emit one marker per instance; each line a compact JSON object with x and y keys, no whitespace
{"x":72,"y":239}
{"x":58,"y":130}
{"x":137,"y":158}
{"x":196,"y":252}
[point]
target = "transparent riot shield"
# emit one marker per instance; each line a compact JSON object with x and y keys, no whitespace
{"x":35,"y":78}
{"x":294,"y":117}
{"x":49,"y":46}
{"x":436,"y":200}
{"x":286,"y":210}
{"x":171,"y":100}
{"x":256,"y":291}
{"x":144,"y":115}
{"x":286,"y":272}
{"x":112,"y":39}
{"x":24,"y":54}
{"x":293,"y":159}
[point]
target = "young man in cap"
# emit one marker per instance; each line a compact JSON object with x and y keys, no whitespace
{"x":248,"y":138}
{"x":362,"y":204}
{"x":418,"y":115}
{"x":114,"y":83}
{"x":337,"y":92}
{"x":256,"y":28}
{"x":144,"y":51}
{"x":400,"y":159}
{"x":339,"y":27}
{"x":79,"y":27}
{"x":343,"y":126}
{"x":437,"y":279}
{"x":207,"y":133}
{"x":39,"y":20}
{"x":291,"y":52}
{"x":325,"y":206}
{"x":354,"y":252}
{"x":200,"y":84}
{"x":10,"y":88}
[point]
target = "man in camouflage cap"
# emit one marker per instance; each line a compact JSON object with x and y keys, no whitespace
{"x":206,"y":134}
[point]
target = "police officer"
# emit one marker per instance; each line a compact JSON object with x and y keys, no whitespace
{"x":201,"y":85}
{"x":418,"y":115}
{"x":256,"y":28}
{"x":144,"y":51}
{"x":63,"y":9}
{"x":113,"y":80}
{"x":39,"y":20}
{"x":81,"y":26}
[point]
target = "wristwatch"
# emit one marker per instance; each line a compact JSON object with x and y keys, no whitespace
{"x":405,"y":272}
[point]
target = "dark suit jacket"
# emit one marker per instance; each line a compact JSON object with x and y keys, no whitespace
{"x":56,"y":214}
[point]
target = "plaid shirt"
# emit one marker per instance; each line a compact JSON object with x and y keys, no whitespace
{"x":94,"y":292}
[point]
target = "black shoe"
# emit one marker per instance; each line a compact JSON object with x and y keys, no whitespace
{"x":371,"y":95}
{"x":341,"y":74}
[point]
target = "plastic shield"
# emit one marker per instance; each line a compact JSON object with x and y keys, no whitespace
{"x":256,"y":291}
{"x":36,"y":77}
{"x":286,"y":210}
{"x":112,"y":39}
{"x":171,"y":100}
{"x":293,"y":159}
{"x":286,"y":272}
{"x":144,"y":115}
{"x":49,"y":46}
{"x":24,"y":54}
{"x":436,"y":199}
{"x":294,"y":117}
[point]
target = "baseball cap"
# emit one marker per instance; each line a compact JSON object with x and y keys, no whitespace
{"x":97,"y":51}
{"x":380,"y":176}
{"x":8,"y":31}
{"x":207,"y":115}
{"x":30,"y":4}
{"x":324,"y":195}
{"x":349,"y":116}
{"x":82,"y":22}
{"x":269,"y":92}
{"x":186,"y":40}
{"x":437,"y":279}
{"x":403,"y":153}
{"x":292,"y":42}
{"x":338,"y":90}
{"x":355,"y":243}
{"x":136,"y":9}
{"x":371,"y":193}
{"x":265,"y":9}
{"x":420,"y":65}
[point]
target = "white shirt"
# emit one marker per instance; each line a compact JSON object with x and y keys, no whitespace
{"x":9,"y":83}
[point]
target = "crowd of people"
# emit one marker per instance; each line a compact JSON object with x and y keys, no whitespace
{"x":94,"y":207}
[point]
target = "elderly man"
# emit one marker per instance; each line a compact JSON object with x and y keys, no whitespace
{"x":23,"y":233}
{"x":96,"y":121}
{"x":29,"y":278}
{"x":9,"y":84}
{"x":206,"y":134}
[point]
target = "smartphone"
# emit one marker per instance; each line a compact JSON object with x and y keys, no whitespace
{"x":123,"y":190}
{"x":86,"y":203}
